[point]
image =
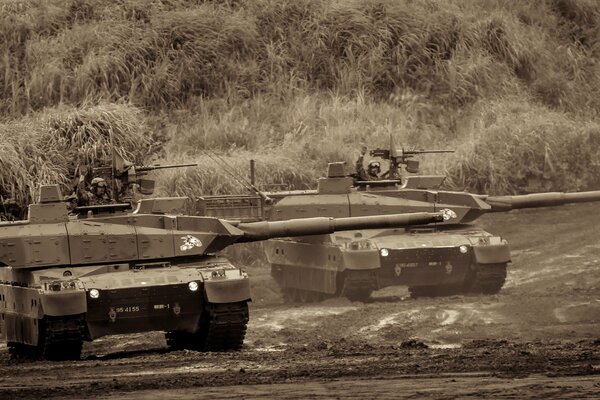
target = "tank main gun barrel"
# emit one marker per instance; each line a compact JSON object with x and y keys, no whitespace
{"x":256,"y":231}
{"x":507,"y":203}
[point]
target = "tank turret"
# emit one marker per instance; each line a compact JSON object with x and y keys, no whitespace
{"x":65,"y":278}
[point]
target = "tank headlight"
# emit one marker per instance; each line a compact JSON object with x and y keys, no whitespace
{"x":463,"y":249}
{"x":384,"y":252}
{"x":94,"y":293}
{"x":193,"y":286}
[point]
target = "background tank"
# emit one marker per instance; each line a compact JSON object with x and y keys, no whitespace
{"x":452,"y":257}
{"x":65,"y":279}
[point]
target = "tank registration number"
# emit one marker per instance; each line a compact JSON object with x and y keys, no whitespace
{"x":126,"y":309}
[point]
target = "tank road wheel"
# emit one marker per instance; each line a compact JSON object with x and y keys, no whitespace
{"x":486,"y":278}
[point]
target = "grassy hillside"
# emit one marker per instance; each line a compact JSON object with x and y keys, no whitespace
{"x":513,"y":86}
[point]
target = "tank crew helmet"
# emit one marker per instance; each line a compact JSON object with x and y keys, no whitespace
{"x":98,"y":182}
{"x":374,"y":168}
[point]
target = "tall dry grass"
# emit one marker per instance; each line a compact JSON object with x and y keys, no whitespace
{"x":229,"y":174}
{"x":516,"y":148}
{"x":303,"y":83}
{"x":164,"y":55}
{"x":56,"y":145}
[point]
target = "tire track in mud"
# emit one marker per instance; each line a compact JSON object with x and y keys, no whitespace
{"x":346,"y":360}
{"x":408,"y":386}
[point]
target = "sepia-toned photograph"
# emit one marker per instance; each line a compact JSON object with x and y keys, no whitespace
{"x":292,"y":199}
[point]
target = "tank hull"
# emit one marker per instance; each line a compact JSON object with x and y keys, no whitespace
{"x":431,"y":262}
{"x":48,"y":313}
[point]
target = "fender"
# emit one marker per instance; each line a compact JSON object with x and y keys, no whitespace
{"x":492,"y":254}
{"x":227,"y":291}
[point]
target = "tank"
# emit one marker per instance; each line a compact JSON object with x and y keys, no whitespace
{"x":65,"y":279}
{"x":453,"y":257}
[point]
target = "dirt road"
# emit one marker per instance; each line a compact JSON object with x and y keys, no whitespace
{"x":540,"y":337}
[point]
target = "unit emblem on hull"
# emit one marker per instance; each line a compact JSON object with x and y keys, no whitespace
{"x":448,"y":267}
{"x":398,"y":270}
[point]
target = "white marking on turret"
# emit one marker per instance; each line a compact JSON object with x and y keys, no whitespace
{"x":189,"y":242}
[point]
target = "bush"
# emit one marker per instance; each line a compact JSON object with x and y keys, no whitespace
{"x":50,"y":147}
{"x":529,"y":150}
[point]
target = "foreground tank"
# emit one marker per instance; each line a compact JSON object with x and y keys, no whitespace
{"x":65,"y":279}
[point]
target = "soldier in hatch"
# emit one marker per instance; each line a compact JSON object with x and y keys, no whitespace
{"x":98,"y":194}
{"x":374,"y":170}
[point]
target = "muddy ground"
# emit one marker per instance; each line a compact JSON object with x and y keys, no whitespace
{"x":540,"y":337}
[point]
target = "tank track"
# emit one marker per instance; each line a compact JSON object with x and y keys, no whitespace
{"x":358,"y":288}
{"x":225,"y":327}
{"x":482,"y":279}
{"x":59,"y":339}
{"x":354,"y":287}
{"x":221,"y":328}
{"x":488,"y":279}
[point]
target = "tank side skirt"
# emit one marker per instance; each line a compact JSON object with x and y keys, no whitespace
{"x":20,"y":310}
{"x":62,"y":338}
{"x":305,"y":278}
{"x":305,"y":266}
{"x":227,"y":291}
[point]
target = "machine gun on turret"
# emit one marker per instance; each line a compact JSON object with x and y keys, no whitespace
{"x":395,"y":158}
{"x":402,"y":157}
{"x":123,"y":174}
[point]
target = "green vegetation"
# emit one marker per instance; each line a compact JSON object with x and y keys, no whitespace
{"x":513,"y":86}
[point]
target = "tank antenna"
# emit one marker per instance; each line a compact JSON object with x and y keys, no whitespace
{"x":113,"y":186}
{"x":229,"y":170}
